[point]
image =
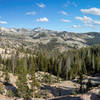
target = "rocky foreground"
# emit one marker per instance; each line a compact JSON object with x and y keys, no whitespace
{"x":65,"y":88}
{"x":91,"y":95}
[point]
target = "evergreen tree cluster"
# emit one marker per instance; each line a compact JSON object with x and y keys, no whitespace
{"x":66,"y":65}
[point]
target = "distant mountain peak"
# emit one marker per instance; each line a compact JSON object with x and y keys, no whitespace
{"x":39,"y":29}
{"x":2,"y":29}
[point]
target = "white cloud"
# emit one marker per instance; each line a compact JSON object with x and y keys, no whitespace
{"x":63,"y":13}
{"x":84,"y":19}
{"x":88,"y":22}
{"x":84,"y":26}
{"x":3,"y":22}
{"x":70,"y":3}
{"x":41,"y":5}
{"x":96,"y":22}
{"x":91,"y":26}
{"x":65,"y":20}
{"x":31,"y":13}
{"x":67,"y":4}
{"x":44,"y":19}
{"x":94,"y":11}
{"x":76,"y":26}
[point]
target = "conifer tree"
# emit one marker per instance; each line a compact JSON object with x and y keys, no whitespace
{"x":23,"y":89}
{"x":81,"y":82}
{"x":7,"y":77}
{"x":34,"y":83}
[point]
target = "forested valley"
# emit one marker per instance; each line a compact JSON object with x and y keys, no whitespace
{"x":68,"y":65}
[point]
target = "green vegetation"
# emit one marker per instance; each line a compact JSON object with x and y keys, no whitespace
{"x":23,"y":89}
{"x":10,"y":93}
{"x":6,"y":77}
{"x":66,"y":65}
{"x":1,"y":89}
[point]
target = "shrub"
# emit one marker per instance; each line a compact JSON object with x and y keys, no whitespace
{"x":1,"y":89}
{"x":10,"y":93}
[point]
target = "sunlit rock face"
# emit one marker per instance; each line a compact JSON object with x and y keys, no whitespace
{"x":40,"y":37}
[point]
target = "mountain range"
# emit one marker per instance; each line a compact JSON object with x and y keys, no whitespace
{"x":43,"y":38}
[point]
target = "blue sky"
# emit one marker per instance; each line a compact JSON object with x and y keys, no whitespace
{"x":67,"y":15}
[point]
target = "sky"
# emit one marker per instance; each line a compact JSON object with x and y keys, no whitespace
{"x":62,"y":15}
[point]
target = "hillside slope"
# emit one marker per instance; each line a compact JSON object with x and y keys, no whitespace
{"x":43,"y":38}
